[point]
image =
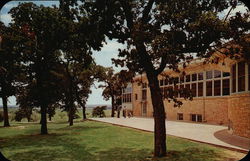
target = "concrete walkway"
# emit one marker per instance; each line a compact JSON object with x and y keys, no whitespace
{"x":193,"y":131}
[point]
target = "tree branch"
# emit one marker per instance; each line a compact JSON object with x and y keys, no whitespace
{"x":146,"y":11}
{"x":162,"y":65}
{"x":128,"y":13}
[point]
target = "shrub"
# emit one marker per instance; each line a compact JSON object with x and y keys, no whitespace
{"x":99,"y":111}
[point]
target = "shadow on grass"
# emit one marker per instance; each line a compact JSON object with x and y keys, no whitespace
{"x":60,"y":147}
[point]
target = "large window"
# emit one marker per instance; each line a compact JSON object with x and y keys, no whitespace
{"x":209,"y":74}
{"x":241,"y":76}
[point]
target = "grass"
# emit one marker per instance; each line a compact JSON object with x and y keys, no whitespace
{"x":95,"y":141}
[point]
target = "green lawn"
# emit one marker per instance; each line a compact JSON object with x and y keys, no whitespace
{"x":90,"y":141}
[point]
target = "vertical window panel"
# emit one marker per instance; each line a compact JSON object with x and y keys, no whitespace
{"x":187,"y":78}
{"x":241,"y":76}
{"x":209,"y":74}
{"x":181,"y":93}
{"x":234,"y":78}
{"x":193,"y":89}
{"x":226,"y":87}
{"x":194,"y":77}
{"x":217,"y":74}
{"x":217,"y":87}
{"x":249,"y":77}
{"x":200,"y":89}
{"x":209,"y":88}
{"x":200,"y":76}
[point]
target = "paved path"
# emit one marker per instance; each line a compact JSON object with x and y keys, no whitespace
{"x":193,"y":131}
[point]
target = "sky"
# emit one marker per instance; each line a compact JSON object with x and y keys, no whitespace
{"x":103,"y":57}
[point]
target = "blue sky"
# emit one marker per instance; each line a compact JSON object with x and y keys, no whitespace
{"x":103,"y":57}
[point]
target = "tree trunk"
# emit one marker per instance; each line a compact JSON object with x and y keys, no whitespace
{"x":84,"y":113}
{"x":5,"y":112}
{"x":50,"y":118}
{"x":118,"y":114}
{"x":159,"y":117}
{"x":71,"y":116}
{"x":44,"y":129}
{"x":113,"y":106}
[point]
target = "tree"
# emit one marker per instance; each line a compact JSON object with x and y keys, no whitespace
{"x":99,"y":111}
{"x":162,"y":34}
{"x":42,"y":27}
{"x":10,"y":66}
{"x":114,"y":83}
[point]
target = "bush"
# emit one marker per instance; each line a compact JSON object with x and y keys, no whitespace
{"x":1,"y":116}
{"x":99,"y":111}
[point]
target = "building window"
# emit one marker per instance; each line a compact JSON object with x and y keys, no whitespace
{"x":226,"y":74}
{"x":144,"y":109}
{"x":200,"y":76}
{"x":241,"y":76}
{"x":193,"y":90}
{"x":199,"y":118}
{"x":200,"y":89}
{"x":181,"y":79}
{"x":136,"y":96}
{"x":226,"y":87}
{"x":217,"y":88}
{"x":144,"y":94}
{"x":193,"y":117}
{"x":196,"y":118}
{"x":161,"y":82}
{"x":176,"y":91}
{"x":217,"y":74}
{"x":176,"y":80}
{"x":166,"y":82}
{"x":144,"y":85}
{"x":234,"y":78}
{"x":194,"y":77}
{"x":181,"y":93}
{"x":209,"y":88}
{"x":187,"y":78}
{"x":249,"y":77}
{"x":179,"y":116}
{"x":209,"y":74}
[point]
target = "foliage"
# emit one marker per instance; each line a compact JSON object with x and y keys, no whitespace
{"x":23,"y":113}
{"x":99,"y":111}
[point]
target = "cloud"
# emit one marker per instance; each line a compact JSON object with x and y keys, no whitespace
{"x":5,"y":18}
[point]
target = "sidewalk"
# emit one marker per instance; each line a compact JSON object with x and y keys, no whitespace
{"x":193,"y":131}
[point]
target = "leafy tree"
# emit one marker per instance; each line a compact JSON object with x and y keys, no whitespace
{"x":43,"y":28}
{"x":10,"y":66}
{"x":99,"y":111}
{"x":162,"y":34}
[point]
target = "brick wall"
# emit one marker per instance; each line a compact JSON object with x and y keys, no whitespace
{"x":239,"y":114}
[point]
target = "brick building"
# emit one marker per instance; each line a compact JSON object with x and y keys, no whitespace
{"x":221,"y":95}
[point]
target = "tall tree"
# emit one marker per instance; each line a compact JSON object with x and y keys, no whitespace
{"x":10,"y":65}
{"x":162,"y":34}
{"x":43,"y":28}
